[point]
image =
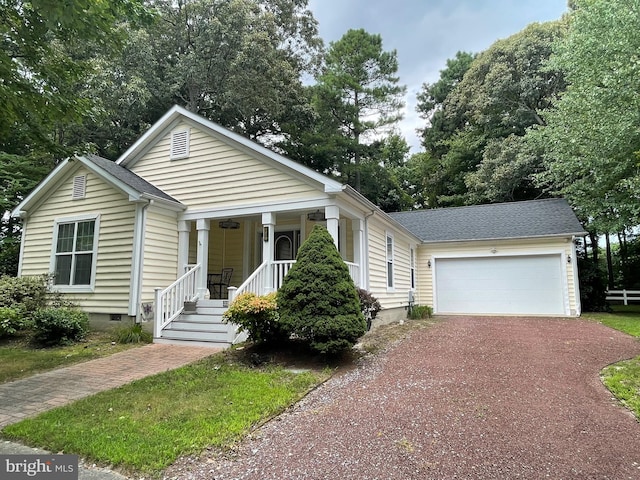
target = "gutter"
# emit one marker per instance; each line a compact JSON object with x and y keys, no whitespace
{"x":573,"y":235}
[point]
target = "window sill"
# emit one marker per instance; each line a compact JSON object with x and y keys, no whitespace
{"x":73,"y":289}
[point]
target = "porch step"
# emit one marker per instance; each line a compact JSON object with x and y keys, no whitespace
{"x":193,"y":324}
{"x":192,"y":343}
{"x":196,"y":335}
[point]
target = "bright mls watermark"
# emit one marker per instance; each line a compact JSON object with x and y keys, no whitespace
{"x":39,"y":467}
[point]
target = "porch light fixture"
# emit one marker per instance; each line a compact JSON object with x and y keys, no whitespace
{"x":229,"y":224}
{"x":429,"y":263}
{"x":316,"y":216}
{"x":568,"y":258}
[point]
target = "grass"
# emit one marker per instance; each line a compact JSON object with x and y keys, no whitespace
{"x":622,"y":378}
{"x":625,"y":318}
{"x":146,"y":425}
{"x":19,"y":358}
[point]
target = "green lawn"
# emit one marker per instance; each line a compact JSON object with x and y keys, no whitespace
{"x":623,"y":378}
{"x":18,"y":358}
{"x":144,"y":426}
{"x":625,"y":318}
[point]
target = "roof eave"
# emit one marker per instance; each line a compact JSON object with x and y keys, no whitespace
{"x":330,"y":185}
{"x":496,"y":239}
{"x":170,"y":205}
{"x":21,"y":210}
{"x":353,"y":193}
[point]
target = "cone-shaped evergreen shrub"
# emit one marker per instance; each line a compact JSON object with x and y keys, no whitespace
{"x":318,"y":300}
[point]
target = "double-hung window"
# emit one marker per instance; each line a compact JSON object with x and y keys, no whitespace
{"x":75,"y":242}
{"x":390,"y":261}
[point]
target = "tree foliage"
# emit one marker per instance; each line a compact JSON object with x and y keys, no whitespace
{"x":473,"y":155}
{"x":591,"y":140}
{"x":318,"y":300}
{"x":357,"y":97}
{"x":46,"y":54}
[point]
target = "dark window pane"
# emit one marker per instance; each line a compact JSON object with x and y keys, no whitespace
{"x":63,"y":270}
{"x":389,"y":274}
{"x":65,"y":237}
{"x":82,"y":274}
{"x":84,"y":240}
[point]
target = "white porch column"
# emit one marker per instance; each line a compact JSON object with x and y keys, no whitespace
{"x":358,"y":249}
{"x":203,"y":225}
{"x":332,"y":214}
{"x":268,"y":239}
{"x":184,"y":228}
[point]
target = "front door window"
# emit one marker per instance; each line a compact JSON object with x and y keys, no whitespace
{"x":286,"y":245}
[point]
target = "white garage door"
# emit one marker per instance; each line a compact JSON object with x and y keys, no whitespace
{"x":500,"y":285}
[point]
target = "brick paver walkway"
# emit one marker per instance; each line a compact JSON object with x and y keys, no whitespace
{"x":41,"y":392}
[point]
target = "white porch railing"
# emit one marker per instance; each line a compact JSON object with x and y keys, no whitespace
{"x":280,"y":270}
{"x":169,"y":303}
{"x":624,"y":296}
{"x":255,"y":282}
{"x":354,"y":271}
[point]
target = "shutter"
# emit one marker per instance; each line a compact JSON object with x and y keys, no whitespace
{"x":79,"y":187}
{"x":179,"y":144}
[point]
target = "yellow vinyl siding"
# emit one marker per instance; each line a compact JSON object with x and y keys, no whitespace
{"x":160,"y":252}
{"x":115,"y":240}
{"x":483,"y":248}
{"x":397,"y":296}
{"x":218,"y":174}
{"x":231,"y":242}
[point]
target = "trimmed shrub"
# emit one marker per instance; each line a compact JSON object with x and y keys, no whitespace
{"x":369,"y":305}
{"x":59,"y":326}
{"x":318,"y":301}
{"x":26,"y":294}
{"x":258,"y":316}
{"x":11,"y":321}
{"x":418,"y":312}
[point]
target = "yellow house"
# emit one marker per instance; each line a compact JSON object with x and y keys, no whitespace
{"x":194,"y":213}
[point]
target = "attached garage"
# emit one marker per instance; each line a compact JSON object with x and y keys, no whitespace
{"x":515,"y":285}
{"x":515,"y":258}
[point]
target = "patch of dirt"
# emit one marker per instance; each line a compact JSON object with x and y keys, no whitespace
{"x":295,"y":355}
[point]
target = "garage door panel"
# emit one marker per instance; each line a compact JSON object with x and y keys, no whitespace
{"x":500,"y":285}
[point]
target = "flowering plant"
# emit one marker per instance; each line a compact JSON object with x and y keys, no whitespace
{"x":257,"y":315}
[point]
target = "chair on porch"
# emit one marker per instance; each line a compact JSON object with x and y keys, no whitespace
{"x":216,"y":282}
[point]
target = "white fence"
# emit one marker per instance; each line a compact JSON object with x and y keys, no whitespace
{"x":624,"y":296}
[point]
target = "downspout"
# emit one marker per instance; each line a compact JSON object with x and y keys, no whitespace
{"x":137,"y":263}
{"x":365,"y":253}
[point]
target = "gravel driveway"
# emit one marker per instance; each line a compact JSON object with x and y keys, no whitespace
{"x":471,"y":397}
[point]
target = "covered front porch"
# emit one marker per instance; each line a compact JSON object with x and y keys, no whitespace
{"x":223,"y":256}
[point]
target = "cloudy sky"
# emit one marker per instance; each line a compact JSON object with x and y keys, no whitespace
{"x":426,"y":33}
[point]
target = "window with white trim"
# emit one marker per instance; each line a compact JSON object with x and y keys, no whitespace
{"x":412,"y":267}
{"x":179,"y":144}
{"x":75,"y":243}
{"x":390,"y":249}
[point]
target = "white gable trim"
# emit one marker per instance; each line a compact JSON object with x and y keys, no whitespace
{"x":67,"y":166}
{"x":175,"y":114}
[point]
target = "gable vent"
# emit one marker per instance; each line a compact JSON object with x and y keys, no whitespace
{"x":179,"y":144}
{"x":79,"y":186}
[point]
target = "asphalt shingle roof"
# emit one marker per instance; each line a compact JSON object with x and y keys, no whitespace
{"x":129,"y":178}
{"x":534,"y":218}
